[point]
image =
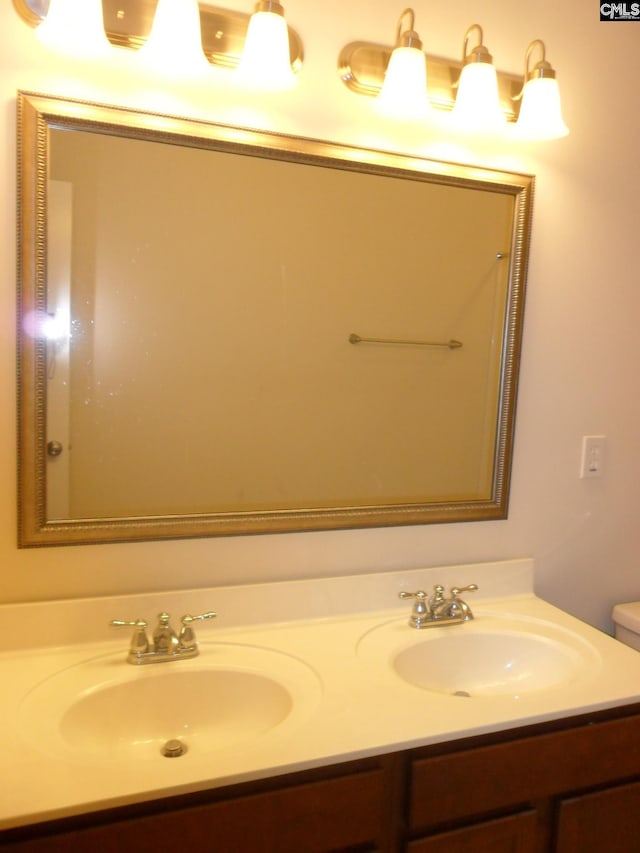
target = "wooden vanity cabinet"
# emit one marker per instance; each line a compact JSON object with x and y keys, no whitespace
{"x":349,"y":806}
{"x":570,"y":786}
{"x":531,"y":790}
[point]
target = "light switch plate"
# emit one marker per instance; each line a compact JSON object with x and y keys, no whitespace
{"x":593,"y":456}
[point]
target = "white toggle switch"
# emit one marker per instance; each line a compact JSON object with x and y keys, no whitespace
{"x":593,"y":447}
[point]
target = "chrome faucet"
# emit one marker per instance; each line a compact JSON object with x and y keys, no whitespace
{"x":166,"y":645}
{"x":439,"y":610}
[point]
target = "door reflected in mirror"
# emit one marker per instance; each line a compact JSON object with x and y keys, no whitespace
{"x":240,"y":332}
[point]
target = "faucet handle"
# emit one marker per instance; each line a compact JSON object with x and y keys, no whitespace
{"x":419,"y":594}
{"x":188,"y":618}
{"x":420,"y":613}
{"x":456,"y":590}
{"x":456,"y":606}
{"x":122,"y":623}
{"x":139,"y":640}
{"x":187,"y":636}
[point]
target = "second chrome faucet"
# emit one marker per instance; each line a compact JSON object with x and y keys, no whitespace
{"x":166,"y":645}
{"x":439,"y":610}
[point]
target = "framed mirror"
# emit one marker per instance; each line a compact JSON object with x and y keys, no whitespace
{"x":224,"y":331}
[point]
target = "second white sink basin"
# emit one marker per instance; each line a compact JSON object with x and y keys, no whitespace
{"x":481,"y":664}
{"x":488,"y":656}
{"x":107,"y":709}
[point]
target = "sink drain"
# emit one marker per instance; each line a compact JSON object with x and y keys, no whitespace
{"x":461,"y":693}
{"x":174,"y":748}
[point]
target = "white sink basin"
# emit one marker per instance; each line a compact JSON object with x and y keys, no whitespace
{"x":496,"y":664}
{"x":489,"y":656}
{"x":109,"y":710}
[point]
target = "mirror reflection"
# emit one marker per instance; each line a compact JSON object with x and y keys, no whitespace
{"x":239,"y":332}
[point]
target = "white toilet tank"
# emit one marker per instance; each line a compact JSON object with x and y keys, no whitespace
{"x":627,"y":622}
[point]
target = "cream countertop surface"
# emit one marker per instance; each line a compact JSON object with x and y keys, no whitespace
{"x":348,"y":701}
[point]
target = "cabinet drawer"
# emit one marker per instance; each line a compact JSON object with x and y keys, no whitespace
{"x":506,"y":835}
{"x":476,"y":781}
{"x":331,"y":814}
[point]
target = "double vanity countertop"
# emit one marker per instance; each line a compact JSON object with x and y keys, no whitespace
{"x":330,"y":671}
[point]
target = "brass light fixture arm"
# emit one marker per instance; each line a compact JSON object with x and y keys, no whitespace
{"x":542,"y":68}
{"x":479,"y":53}
{"x":407,"y":37}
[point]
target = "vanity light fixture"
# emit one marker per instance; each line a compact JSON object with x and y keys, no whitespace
{"x":223,"y":32}
{"x":404,"y":90}
{"x":267,"y":53}
{"x":265,"y":61}
{"x":477,"y":105}
{"x":462,"y":90}
{"x":540,"y":111}
{"x":362,"y":67}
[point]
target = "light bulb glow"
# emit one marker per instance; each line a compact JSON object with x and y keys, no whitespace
{"x":53,"y":327}
{"x":404,"y":91}
{"x":477,"y":105}
{"x":265,"y":62}
{"x":175,"y":43}
{"x":541,"y":113}
{"x":56,"y":327}
{"x":77,"y":29}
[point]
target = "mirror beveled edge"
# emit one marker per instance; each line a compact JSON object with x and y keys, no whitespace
{"x":36,"y":114}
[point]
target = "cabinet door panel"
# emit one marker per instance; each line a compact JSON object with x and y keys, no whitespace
{"x":515,"y":834}
{"x":479,"y":780}
{"x":608,"y":820}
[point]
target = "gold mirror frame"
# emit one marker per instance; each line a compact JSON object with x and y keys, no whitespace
{"x":37,"y":114}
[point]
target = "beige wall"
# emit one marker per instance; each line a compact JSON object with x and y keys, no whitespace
{"x":580,"y":344}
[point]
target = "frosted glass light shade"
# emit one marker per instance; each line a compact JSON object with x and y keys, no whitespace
{"x":175,"y":42}
{"x":541,"y":112}
{"x":404,"y":90}
{"x":75,"y":28}
{"x":477,"y":105}
{"x":265,"y":62}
